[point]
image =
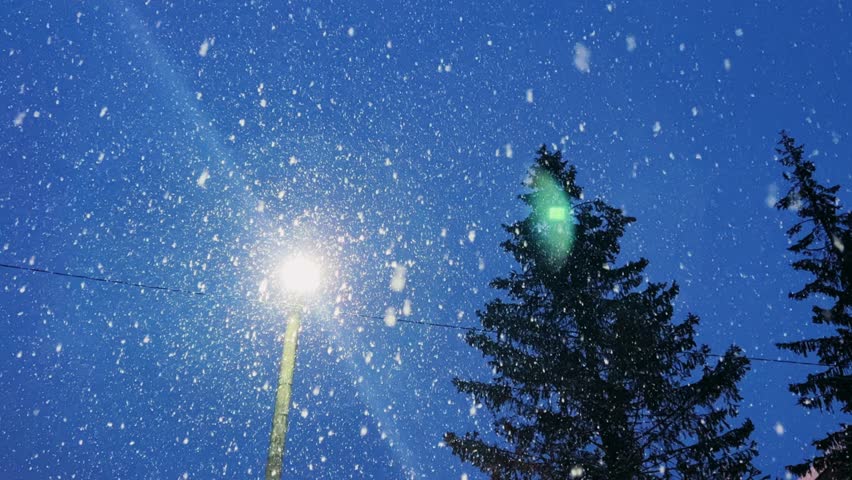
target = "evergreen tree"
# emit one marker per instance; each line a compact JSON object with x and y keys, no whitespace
{"x":820,"y":240}
{"x":591,"y":378}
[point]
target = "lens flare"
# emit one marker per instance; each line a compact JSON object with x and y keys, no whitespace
{"x":554,"y":218}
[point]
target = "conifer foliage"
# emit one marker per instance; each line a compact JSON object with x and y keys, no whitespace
{"x":590,"y":375}
{"x":821,"y":240}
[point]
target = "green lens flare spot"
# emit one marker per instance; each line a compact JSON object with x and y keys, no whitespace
{"x":557,"y":214}
{"x":554,"y":218}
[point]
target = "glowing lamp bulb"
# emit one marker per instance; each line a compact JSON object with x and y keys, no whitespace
{"x":300,"y":275}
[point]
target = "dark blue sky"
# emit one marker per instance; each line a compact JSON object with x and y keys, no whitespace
{"x":195,"y":145}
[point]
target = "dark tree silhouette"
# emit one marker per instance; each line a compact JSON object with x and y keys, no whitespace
{"x":591,"y":378}
{"x":820,"y":240}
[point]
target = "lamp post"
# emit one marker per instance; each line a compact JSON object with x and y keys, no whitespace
{"x":299,"y":276}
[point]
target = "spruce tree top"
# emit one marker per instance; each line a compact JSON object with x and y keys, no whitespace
{"x":590,"y":376}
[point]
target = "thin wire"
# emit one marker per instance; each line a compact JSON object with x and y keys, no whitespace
{"x":776,"y":360}
{"x":103,"y":280}
{"x":352,"y":313}
{"x":485,"y":330}
{"x":420,"y":322}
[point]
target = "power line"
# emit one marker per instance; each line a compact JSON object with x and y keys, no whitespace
{"x":420,"y":322}
{"x":103,"y":280}
{"x":352,"y":313}
{"x":776,"y":360}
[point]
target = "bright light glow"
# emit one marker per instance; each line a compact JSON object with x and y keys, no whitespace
{"x":557,"y":214}
{"x":299,"y":275}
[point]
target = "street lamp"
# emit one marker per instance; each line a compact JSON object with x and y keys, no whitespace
{"x":299,"y":276}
